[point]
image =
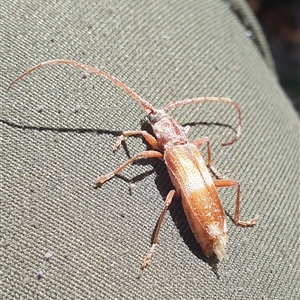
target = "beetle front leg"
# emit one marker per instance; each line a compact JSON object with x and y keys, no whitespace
{"x":228,"y":183}
{"x":168,"y":201}
{"x":204,"y":140}
{"x":147,"y":136}
{"x":145,"y":154}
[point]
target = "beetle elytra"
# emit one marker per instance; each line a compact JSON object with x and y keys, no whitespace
{"x":187,"y":169}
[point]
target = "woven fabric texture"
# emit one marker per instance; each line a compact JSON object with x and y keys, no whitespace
{"x":63,"y":239}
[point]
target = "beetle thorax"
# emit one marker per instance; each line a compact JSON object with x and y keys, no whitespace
{"x":168,"y":132}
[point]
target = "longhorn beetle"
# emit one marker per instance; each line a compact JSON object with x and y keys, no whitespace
{"x":187,"y":169}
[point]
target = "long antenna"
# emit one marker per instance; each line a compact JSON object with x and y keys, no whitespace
{"x":146,"y":106}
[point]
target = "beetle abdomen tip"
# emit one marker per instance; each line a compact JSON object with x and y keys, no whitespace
{"x":219,"y":247}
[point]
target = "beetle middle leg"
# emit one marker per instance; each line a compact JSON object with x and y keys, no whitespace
{"x":205,"y":140}
{"x":228,"y":183}
{"x":145,"y":154}
{"x":168,"y":201}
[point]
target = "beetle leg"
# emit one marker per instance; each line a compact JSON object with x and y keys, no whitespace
{"x":145,"y":154}
{"x":147,"y":136}
{"x":168,"y":201}
{"x":198,"y":143}
{"x":232,"y":182}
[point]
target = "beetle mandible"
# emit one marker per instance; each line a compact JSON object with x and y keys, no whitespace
{"x":187,"y":169}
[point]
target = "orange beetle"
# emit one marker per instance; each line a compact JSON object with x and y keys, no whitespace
{"x":187,"y":169}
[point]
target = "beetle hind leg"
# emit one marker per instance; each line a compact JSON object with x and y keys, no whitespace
{"x":168,"y":201}
{"x":229,"y":183}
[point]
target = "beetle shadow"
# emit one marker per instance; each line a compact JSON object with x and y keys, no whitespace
{"x":209,"y":124}
{"x":164,"y":185}
{"x":60,"y":129}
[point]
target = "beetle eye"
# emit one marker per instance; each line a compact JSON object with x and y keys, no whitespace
{"x":153,"y":118}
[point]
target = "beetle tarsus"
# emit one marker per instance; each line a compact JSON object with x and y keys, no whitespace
{"x":118,"y":143}
{"x":247,"y":223}
{"x":100,"y":180}
{"x":147,"y":259}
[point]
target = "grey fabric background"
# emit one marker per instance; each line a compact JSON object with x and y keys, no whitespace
{"x":59,"y":124}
